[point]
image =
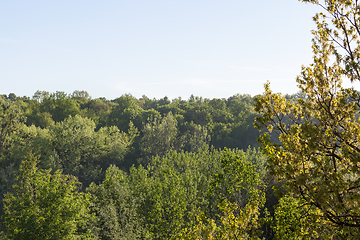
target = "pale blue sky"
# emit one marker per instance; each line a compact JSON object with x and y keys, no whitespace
{"x":158,"y":48}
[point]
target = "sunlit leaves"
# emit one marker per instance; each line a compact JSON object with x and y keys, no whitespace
{"x":319,"y":135}
{"x":45,"y":206}
{"x":240,"y":198}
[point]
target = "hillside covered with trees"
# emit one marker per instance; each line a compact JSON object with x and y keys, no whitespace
{"x":271,"y":166}
{"x":138,"y":167}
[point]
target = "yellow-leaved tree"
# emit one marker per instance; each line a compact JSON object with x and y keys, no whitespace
{"x":318,"y":155}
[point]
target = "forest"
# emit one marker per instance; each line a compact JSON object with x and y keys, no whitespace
{"x":138,"y":168}
{"x":270,"y":166}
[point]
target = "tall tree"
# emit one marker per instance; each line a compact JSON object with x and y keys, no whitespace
{"x":319,"y":153}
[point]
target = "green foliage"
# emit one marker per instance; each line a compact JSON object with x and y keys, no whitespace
{"x":115,"y":208}
{"x":288,"y":215}
{"x":196,"y":137}
{"x":235,"y":224}
{"x":45,"y":206}
{"x":23,"y":141}
{"x":77,"y":135}
{"x":83,"y":152}
{"x":295,"y":220}
{"x":98,"y":110}
{"x":338,"y":31}
{"x":60,"y":106}
{"x":173,"y":189}
{"x":81,"y":96}
{"x":46,"y":108}
{"x":72,"y":145}
{"x":240,"y":199}
{"x":318,"y":156}
{"x":160,"y":137}
{"x":237,"y":180}
{"x":218,"y":122}
{"x":10,"y":119}
{"x":125,"y":111}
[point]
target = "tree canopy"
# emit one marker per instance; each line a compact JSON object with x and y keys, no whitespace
{"x":318,"y":155}
{"x":41,"y":205}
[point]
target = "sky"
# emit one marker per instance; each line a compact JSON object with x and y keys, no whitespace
{"x":157,"y":48}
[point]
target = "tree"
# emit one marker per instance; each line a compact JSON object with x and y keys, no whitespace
{"x":97,"y":110}
{"x":159,"y":137}
{"x":172,"y":190}
{"x":235,"y":223}
{"x":81,"y":96}
{"x":339,"y":28}
{"x":23,"y":141}
{"x":125,"y":111}
{"x":58,"y":104}
{"x":10,"y":119}
{"x":40,"y":96}
{"x":115,"y":208}
{"x":84,"y":152}
{"x":196,"y":137}
{"x":237,"y":186}
{"x":294,"y":220}
{"x":45,"y":206}
{"x":12,"y":97}
{"x":319,"y":151}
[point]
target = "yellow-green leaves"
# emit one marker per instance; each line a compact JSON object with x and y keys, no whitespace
{"x":239,"y":192}
{"x":320,"y":134}
{"x":319,"y":149}
{"x":338,"y":27}
{"x":235,"y":223}
{"x":294,"y":220}
{"x":42,"y":205}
